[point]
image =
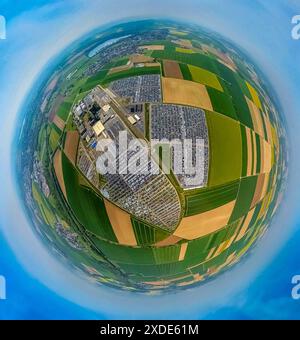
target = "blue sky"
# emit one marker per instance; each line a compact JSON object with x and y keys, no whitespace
{"x":38,"y":286}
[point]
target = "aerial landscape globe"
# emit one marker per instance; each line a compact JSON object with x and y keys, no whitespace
{"x":153,"y":80}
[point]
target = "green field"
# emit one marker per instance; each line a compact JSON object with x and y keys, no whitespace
{"x":136,"y":255}
{"x":205,"y":77}
{"x":258,"y":154}
{"x":154,"y":272}
{"x":103,"y":78}
{"x":94,"y":81}
{"x":45,"y":209}
{"x":86,"y":205}
{"x":136,"y":71}
{"x":125,"y":254}
{"x":222,"y":103}
{"x":120,"y":62}
{"x":243,"y":86}
{"x":42,"y":143}
{"x":244,"y":151}
{"x":54,"y":138}
{"x":169,"y":45}
{"x":225,"y":149}
{"x":167,"y":267}
{"x":236,"y":92}
{"x":179,"y":33}
{"x":184,"y":50}
{"x":211,"y":198}
{"x":146,"y":235}
{"x":69,"y":124}
{"x":162,"y":263}
{"x":186,"y":73}
{"x":245,"y":197}
{"x":195,"y":59}
{"x":64,"y":110}
{"x":166,"y":254}
{"x":98,"y":78}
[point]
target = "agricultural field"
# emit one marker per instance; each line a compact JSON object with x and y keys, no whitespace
{"x":211,"y":198}
{"x":131,"y":73}
{"x":172,"y":69}
{"x":184,"y":50}
{"x":245,"y":197}
{"x":71,"y":145}
{"x":205,"y":77}
{"x":59,"y":122}
{"x":59,"y":173}
{"x":64,"y":110}
{"x":45,"y":208}
{"x":225,"y":152}
{"x":179,"y":33}
{"x":87,"y":206}
{"x":183,"y":92}
{"x":195,"y":59}
{"x":54,"y":136}
{"x":148,"y":235}
{"x":237,"y":95}
{"x":42,"y":142}
{"x":121,"y":224}
{"x":186,"y":73}
{"x":205,"y":223}
{"x":222,"y":103}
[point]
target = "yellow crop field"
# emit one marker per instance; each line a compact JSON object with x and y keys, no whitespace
{"x":205,"y":77}
{"x":71,"y":145}
{"x":184,"y":50}
{"x":184,"y":92}
{"x":121,"y":224}
{"x":196,"y":226}
{"x":57,"y":163}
